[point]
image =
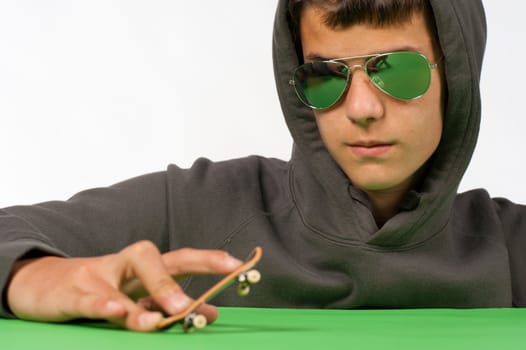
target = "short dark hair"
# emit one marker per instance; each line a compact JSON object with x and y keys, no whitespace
{"x":340,"y":14}
{"x":345,"y":13}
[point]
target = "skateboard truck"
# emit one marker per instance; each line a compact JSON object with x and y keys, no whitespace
{"x":245,"y":275}
{"x":245,"y":280}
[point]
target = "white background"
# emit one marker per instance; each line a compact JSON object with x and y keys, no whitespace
{"x":95,"y":92}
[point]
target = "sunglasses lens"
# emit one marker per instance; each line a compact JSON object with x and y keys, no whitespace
{"x":403,"y":75}
{"x":320,"y":84}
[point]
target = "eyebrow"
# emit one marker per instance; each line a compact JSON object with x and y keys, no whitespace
{"x":317,"y":57}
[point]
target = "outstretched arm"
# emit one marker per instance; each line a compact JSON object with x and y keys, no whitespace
{"x":110,"y":287}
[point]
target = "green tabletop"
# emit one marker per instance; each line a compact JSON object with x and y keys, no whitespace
{"x":248,"y":328}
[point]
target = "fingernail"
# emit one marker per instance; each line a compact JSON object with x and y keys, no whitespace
{"x":178,"y":302}
{"x":149,"y":319}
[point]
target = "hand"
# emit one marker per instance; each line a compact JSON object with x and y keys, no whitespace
{"x":107,"y":287}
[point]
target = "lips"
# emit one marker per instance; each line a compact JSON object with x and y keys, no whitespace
{"x":371,"y":148}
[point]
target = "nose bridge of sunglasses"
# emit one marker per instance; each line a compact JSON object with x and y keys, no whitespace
{"x":374,"y":78}
{"x":360,"y":68}
{"x":357,"y":66}
{"x":363,"y":67}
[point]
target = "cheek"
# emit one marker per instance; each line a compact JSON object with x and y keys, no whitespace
{"x":428,"y":137}
{"x":427,"y":129}
{"x":326,"y":126}
{"x":436,"y":110}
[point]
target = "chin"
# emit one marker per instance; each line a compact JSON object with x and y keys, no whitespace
{"x":376,"y":187}
{"x":372,"y":185}
{"x":379,"y":179}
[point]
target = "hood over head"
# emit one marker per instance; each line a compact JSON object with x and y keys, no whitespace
{"x":328,"y":203}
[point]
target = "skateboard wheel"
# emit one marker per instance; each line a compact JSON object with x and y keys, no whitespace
{"x":199,"y":321}
{"x":193,"y":321}
{"x":243,"y":289}
{"x":253,"y":276}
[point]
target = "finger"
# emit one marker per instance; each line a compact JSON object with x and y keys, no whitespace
{"x":94,"y":306}
{"x":144,"y":261}
{"x":209,"y":311}
{"x":140,"y":320}
{"x":199,"y":261}
{"x":120,"y":310}
{"x":111,"y":305}
{"x":184,"y":262}
{"x":135,"y":317}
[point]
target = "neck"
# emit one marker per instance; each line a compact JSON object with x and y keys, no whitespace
{"x":385,"y":204}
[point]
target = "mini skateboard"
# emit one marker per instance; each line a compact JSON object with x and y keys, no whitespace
{"x":244,"y":275}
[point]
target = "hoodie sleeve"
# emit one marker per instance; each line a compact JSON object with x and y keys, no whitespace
{"x":93,"y":222}
{"x":513,"y":220}
{"x":203,"y":206}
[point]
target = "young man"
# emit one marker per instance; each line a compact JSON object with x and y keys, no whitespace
{"x":365,"y":214}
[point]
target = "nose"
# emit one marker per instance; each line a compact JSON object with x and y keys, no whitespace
{"x":363,"y":105}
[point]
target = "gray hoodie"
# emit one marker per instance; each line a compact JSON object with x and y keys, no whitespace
{"x":322,"y":247}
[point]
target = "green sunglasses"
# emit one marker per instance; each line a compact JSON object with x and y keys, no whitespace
{"x":405,"y":75}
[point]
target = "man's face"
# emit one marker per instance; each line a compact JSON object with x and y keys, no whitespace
{"x":379,"y":142}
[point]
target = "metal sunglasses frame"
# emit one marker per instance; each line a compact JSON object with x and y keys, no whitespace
{"x":363,"y":67}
